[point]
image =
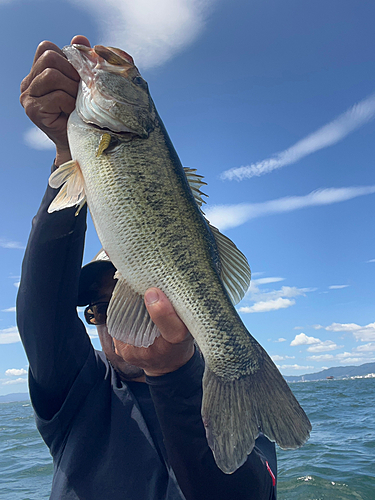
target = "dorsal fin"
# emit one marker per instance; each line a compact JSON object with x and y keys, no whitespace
{"x":195,"y":183}
{"x":235,"y":270}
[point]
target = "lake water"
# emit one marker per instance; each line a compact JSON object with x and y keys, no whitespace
{"x":337,"y":463}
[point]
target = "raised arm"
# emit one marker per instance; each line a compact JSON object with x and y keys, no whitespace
{"x":53,"y":336}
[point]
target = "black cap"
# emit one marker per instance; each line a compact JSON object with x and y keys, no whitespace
{"x":91,"y":277}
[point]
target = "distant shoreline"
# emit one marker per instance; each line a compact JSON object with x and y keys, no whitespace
{"x":15,"y":397}
{"x":367,"y":370}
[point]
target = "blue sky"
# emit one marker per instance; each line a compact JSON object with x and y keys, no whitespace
{"x":274,"y":103}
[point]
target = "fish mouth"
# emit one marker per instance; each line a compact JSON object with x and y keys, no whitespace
{"x":89,"y":60}
{"x":94,"y":106}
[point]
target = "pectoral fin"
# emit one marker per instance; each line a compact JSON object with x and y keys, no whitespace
{"x":72,"y":193}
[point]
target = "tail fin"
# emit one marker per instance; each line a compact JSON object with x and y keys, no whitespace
{"x":235,"y":411}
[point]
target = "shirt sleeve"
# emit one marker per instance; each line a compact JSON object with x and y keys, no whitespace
{"x":177,"y":397}
{"x":53,"y":336}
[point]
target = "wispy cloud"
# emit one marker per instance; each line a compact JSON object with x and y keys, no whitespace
{"x":329,"y":134}
{"x":265,"y":300}
{"x":356,"y":356}
{"x":10,"y":309}
{"x":227,"y":216}
{"x":36,"y":139}
{"x":370,"y":347}
{"x":151,"y":31}
{"x":363,"y":333}
{"x":294,"y":367}
{"x":277,"y":357}
{"x":9,"y":335}
{"x":14,"y":381}
{"x":371,"y":260}
{"x":4,"y":243}
{"x":337,"y":287}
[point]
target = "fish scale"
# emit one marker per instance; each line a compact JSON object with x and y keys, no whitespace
{"x":146,"y":210}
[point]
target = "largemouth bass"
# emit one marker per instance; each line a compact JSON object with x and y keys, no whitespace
{"x":147,"y":212}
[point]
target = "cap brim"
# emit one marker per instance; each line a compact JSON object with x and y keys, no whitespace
{"x":91,"y":274}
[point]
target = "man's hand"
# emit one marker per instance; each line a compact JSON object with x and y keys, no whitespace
{"x":171,"y":350}
{"x":48,"y":94}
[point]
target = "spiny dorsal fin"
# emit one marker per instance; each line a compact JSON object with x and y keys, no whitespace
{"x":195,"y":183}
{"x":72,"y":193}
{"x":235,"y":270}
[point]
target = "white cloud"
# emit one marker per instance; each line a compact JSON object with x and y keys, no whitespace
{"x":11,"y":244}
{"x":347,"y":357}
{"x":269,"y":305}
{"x":294,"y":367}
{"x":342,"y":327}
{"x":17,"y":284}
{"x":281,"y":339}
{"x":227,"y":216}
{"x":363,"y":333}
{"x":15,"y":372}
{"x":14,"y":381}
{"x":265,"y":281}
{"x":365,"y":348}
{"x":270,"y":300}
{"x":9,"y":335}
{"x":277,"y":357}
{"x":10,"y":309}
{"x":36,"y":139}
{"x":337,"y":287}
{"x":327,"y":345}
{"x":151,"y":31}
{"x":303,"y":339}
{"x":371,"y":260}
{"x":329,"y":134}
{"x":315,"y":344}
{"x":322,"y":357}
{"x":361,"y":354}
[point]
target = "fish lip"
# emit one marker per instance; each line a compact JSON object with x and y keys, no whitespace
{"x":86,"y":61}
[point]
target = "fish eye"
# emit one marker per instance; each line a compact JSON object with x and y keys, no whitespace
{"x":138,"y":80}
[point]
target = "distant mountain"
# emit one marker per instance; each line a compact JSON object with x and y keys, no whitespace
{"x":336,"y":372}
{"x":15,"y":396}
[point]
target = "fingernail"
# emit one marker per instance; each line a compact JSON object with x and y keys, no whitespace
{"x":151,"y":297}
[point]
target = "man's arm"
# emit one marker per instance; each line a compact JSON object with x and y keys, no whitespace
{"x":178,"y":397}
{"x":53,"y":336}
{"x":174,"y":373}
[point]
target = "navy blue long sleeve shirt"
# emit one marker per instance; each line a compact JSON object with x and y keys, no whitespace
{"x":111,"y":439}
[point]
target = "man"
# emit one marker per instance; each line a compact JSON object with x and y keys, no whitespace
{"x":123,"y":423}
